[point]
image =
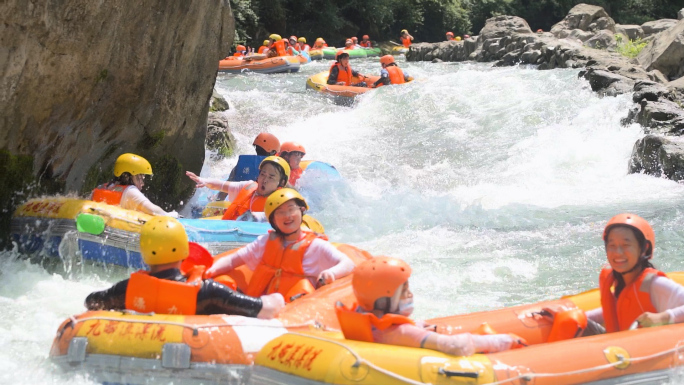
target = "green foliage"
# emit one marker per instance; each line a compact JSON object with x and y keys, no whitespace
{"x":245,"y":19}
{"x":629,"y":48}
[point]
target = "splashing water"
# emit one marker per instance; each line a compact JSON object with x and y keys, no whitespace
{"x":494,"y":183}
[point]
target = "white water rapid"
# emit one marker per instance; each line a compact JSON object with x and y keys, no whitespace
{"x":493,"y":183}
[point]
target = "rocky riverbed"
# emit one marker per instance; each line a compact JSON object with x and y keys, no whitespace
{"x":588,"y":38}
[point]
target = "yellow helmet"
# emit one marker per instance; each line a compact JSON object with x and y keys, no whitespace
{"x":279,"y":197}
{"x":132,"y":164}
{"x":311,"y":223}
{"x":403,"y":30}
{"x":278,"y":161}
{"x":302,"y":40}
{"x":275,"y":37}
{"x":265,"y":42}
{"x":163,"y":240}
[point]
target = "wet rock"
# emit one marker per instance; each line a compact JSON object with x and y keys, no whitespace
{"x":658,"y":156}
{"x":601,"y":80}
{"x":631,"y":32}
{"x":603,"y":39}
{"x":663,"y":116}
{"x":500,"y":26}
{"x":219,"y":138}
{"x":651,"y":91}
{"x":657,"y":26}
{"x":218,"y":102}
{"x":585,"y":17}
{"x":580,"y":35}
{"x":530,"y":56}
{"x":666,"y":52}
{"x":437,"y":60}
{"x":680,"y":14}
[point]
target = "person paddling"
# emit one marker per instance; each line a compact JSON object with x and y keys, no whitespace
{"x":341,"y":72}
{"x":390,"y":73}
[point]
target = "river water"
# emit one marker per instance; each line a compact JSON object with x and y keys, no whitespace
{"x":493,"y":183}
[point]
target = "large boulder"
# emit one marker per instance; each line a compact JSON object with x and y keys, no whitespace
{"x":666,"y":52}
{"x":657,"y":26}
{"x":680,"y":14}
{"x":83,"y":81}
{"x":500,"y":26}
{"x":631,"y":32}
{"x":585,"y":17}
{"x":658,"y":156}
{"x":604,"y":39}
{"x":219,"y":138}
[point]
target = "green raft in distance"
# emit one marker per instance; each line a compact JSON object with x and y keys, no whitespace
{"x":330,"y":53}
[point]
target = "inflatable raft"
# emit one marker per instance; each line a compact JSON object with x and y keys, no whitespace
{"x":399,"y":50}
{"x":372,"y":52}
{"x":343,"y":95}
{"x":46,"y":225}
{"x":642,"y":356}
{"x":123,"y":347}
{"x":263,"y":66}
{"x":331,"y":53}
{"x":304,"y":347}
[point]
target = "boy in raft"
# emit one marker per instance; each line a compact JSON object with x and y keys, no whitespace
{"x":349,"y":44}
{"x":355,"y":40}
{"x":390,"y":73}
{"x":124,"y":189}
{"x":248,"y":198}
{"x":164,"y":289}
{"x":366,"y":43}
{"x":302,"y":46}
{"x":405,"y":38}
{"x":640,"y":293}
{"x":276,"y":46}
{"x":385,"y":302}
{"x":293,"y":153}
{"x":320,"y":44}
{"x":240,"y":51}
{"x":450,"y":36}
{"x":264,"y":48}
{"x":288,"y":260}
{"x":341,"y":73}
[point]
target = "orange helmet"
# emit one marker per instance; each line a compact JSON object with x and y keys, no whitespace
{"x":320,"y":40}
{"x":365,"y":37}
{"x":268,"y":142}
{"x":293,"y":37}
{"x":291,"y":147}
{"x":355,"y":39}
{"x":341,"y":55}
{"x":450,"y":34}
{"x":240,"y":47}
{"x":348,"y":42}
{"x":635,"y":222}
{"x":387,"y":60}
{"x":377,"y":278}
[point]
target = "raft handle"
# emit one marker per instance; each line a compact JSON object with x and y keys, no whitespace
{"x":453,"y":373}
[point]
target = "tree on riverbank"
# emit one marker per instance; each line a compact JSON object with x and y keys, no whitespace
{"x":427,"y":20}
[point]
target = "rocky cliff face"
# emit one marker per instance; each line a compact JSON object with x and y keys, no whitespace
{"x":83,"y":81}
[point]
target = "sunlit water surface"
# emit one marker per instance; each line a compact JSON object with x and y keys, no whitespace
{"x":493,"y":183}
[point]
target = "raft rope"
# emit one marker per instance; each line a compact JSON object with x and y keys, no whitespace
{"x":195,"y":328}
{"x":526,"y":377}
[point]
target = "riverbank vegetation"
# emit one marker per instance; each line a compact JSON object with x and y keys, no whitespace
{"x":427,"y":20}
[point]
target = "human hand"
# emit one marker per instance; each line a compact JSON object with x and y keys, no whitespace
{"x":653,"y":319}
{"x":201,"y":182}
{"x":220,"y":267}
{"x":327,"y":277}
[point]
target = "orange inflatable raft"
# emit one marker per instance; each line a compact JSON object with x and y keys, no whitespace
{"x":126,"y":347}
{"x":341,"y":94}
{"x":260,"y":64}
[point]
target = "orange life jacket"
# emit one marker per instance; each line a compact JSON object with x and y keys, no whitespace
{"x":406,"y":41}
{"x":280,"y":269}
{"x":304,"y":47}
{"x":238,"y":54}
{"x":634,"y":299}
{"x":262,"y":49}
{"x":396,"y":75}
{"x":342,"y":74}
{"x":367,"y":44}
{"x":109,"y":194}
{"x":291,"y":50}
{"x":359,"y":326}
{"x":279,"y":47}
{"x":247,"y":199}
{"x":295,"y":175}
{"x":147,"y":294}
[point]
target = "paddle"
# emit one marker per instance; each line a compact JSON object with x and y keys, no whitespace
{"x":395,"y":43}
{"x":90,"y":223}
{"x":197,"y":256}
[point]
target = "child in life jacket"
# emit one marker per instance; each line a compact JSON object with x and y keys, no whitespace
{"x":390,"y":73}
{"x":293,"y":153}
{"x":249,"y":197}
{"x":341,"y":72}
{"x":166,"y":289}
{"x":382,"y":314}
{"x":640,"y":294}
{"x":289,"y":260}
{"x":124,"y":189}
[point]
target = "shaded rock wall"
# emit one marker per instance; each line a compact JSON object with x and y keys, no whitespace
{"x":82,"y":81}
